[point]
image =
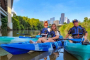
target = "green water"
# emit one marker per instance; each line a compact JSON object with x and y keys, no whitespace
{"x":62,"y":55}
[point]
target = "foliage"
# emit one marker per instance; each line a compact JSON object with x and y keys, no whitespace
{"x":4,"y":23}
{"x":16,"y":24}
{"x":64,"y":23}
{"x":23,"y":23}
{"x":28,"y":24}
{"x":85,"y":19}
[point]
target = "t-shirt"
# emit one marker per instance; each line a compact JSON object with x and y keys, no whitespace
{"x":57,"y":33}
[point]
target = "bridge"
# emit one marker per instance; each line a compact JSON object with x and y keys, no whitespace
{"x":5,"y":10}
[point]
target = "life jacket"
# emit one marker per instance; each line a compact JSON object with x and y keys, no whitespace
{"x":52,"y":33}
{"x":44,"y":31}
{"x":77,"y":31}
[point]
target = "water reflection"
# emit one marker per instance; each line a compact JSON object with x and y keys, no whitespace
{"x":10,"y":33}
{"x":4,"y":57}
{"x":37,"y":55}
{"x":0,"y":33}
{"x":52,"y":55}
{"x":20,"y":32}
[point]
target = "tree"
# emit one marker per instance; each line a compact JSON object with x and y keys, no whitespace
{"x":4,"y":23}
{"x":85,"y":19}
{"x":16,"y":25}
{"x":22,"y":22}
{"x":64,"y":23}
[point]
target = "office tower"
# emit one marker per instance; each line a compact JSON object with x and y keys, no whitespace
{"x":52,"y":20}
{"x":66,"y":19}
{"x":48,"y":21}
{"x":62,"y":18}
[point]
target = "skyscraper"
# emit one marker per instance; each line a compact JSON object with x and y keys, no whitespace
{"x":60,"y":21}
{"x":48,"y":21}
{"x":62,"y":18}
{"x":52,"y":20}
{"x":68,"y":21}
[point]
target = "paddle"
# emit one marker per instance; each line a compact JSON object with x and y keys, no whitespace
{"x":80,"y":40}
{"x":72,"y":39}
{"x":23,"y":34}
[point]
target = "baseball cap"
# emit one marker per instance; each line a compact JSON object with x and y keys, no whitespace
{"x":75,"y":20}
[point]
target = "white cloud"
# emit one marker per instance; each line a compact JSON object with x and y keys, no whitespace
{"x":13,"y":10}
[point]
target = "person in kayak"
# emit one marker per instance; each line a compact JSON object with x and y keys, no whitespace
{"x":53,"y":36}
{"x":77,"y":32}
{"x":45,"y":30}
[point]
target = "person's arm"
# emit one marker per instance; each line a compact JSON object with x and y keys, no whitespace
{"x":69,"y":32}
{"x":56,"y":37}
{"x":85,"y":37}
{"x":67,"y":36}
{"x":86,"y":34}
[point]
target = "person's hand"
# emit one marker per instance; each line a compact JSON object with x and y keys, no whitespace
{"x":85,"y":38}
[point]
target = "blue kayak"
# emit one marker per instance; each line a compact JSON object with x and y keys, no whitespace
{"x":24,"y":47}
{"x":81,"y":52}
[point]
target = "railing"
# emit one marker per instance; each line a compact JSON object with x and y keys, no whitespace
{"x":3,"y":11}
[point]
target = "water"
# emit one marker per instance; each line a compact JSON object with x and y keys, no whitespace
{"x":53,"y":55}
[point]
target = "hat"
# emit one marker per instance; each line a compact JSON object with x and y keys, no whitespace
{"x":75,"y":20}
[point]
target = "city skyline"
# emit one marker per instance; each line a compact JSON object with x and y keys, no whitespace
{"x":62,"y":20}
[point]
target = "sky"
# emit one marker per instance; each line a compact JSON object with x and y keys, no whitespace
{"x":46,"y":9}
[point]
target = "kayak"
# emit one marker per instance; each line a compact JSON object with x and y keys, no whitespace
{"x":81,"y":52}
{"x":6,"y":39}
{"x":24,"y":47}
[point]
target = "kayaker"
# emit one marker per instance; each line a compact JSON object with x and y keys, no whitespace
{"x":77,"y":31}
{"x":45,"y":30}
{"x":54,"y":35}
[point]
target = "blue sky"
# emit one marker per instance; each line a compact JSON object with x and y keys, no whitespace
{"x":45,"y":9}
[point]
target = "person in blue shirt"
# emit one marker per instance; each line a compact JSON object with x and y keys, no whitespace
{"x":77,"y":32}
{"x":54,"y":33}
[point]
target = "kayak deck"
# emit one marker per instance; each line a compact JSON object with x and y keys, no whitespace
{"x":78,"y":50}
